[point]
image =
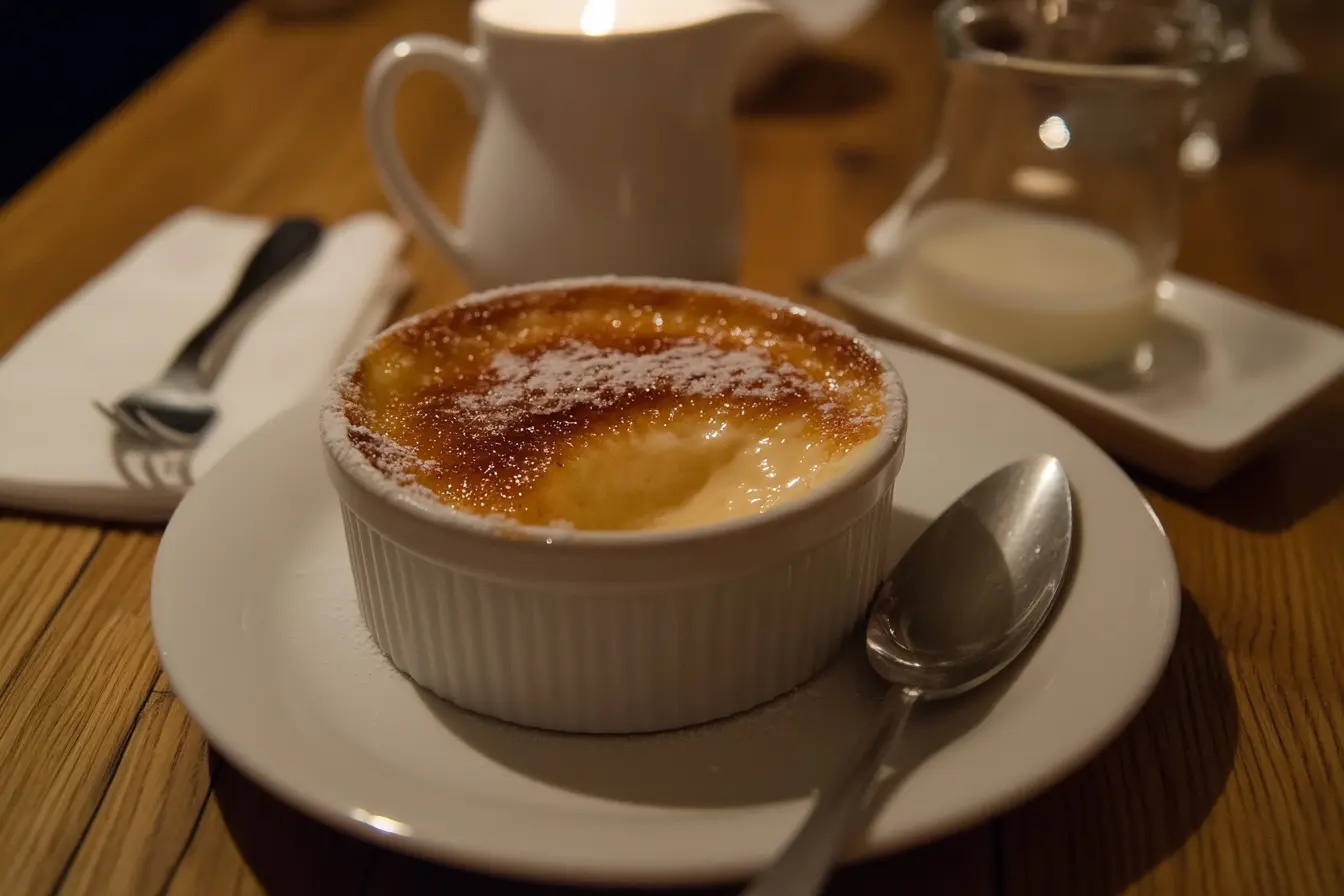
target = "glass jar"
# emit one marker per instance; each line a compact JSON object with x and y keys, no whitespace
{"x":1049,"y":210}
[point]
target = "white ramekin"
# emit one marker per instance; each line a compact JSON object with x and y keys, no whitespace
{"x":615,"y":631}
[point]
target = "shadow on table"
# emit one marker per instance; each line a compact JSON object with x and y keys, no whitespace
{"x":1299,"y":116}
{"x":286,"y":851}
{"x":814,"y":84}
{"x":1289,"y":482}
{"x":1111,"y":823}
{"x":51,"y":518}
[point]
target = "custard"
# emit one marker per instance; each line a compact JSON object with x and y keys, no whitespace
{"x":615,"y":407}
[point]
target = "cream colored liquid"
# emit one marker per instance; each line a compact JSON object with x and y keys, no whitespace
{"x":1059,"y":292}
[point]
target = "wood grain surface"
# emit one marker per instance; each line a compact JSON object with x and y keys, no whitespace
{"x":1230,"y":781}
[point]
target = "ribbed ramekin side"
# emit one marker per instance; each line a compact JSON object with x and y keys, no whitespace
{"x":616,"y":659}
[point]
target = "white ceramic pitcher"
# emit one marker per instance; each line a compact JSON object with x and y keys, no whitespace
{"x":604,"y":143}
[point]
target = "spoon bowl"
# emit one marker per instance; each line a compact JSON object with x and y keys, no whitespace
{"x":975,"y":588}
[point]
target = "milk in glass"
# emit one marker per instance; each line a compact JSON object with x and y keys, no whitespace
{"x":1059,"y":291}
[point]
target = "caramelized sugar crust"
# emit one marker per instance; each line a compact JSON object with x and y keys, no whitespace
{"x":481,"y":403}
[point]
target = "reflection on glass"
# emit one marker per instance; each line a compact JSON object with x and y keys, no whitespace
{"x":1054,"y":133}
{"x":1043,"y":184}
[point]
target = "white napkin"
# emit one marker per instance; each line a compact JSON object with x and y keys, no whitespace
{"x":121,"y":329}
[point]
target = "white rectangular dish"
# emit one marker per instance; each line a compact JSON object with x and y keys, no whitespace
{"x":1224,"y":373}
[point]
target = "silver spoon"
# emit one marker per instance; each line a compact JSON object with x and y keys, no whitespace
{"x":968,"y":596}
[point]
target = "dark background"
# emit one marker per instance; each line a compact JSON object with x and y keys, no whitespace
{"x":65,"y":64}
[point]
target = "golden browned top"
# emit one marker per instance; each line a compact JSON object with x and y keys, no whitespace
{"x":478,"y":401}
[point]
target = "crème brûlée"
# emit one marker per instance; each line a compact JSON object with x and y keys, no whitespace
{"x":615,"y":407}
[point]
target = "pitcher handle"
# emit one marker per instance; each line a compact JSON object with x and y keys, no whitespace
{"x":401,"y":57}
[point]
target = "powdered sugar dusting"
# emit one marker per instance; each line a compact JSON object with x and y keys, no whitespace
{"x":396,"y":461}
{"x":577,"y":374}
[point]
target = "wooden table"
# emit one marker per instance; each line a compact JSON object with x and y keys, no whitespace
{"x":1230,"y":780}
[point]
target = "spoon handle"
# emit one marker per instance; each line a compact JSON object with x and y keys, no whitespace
{"x":802,"y":868}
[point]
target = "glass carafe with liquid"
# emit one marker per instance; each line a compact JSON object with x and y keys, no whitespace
{"x":1049,"y":210}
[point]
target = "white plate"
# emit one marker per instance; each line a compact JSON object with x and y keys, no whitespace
{"x":259,"y":631}
{"x":1224,"y":371}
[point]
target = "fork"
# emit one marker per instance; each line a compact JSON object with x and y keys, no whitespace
{"x":177,"y":408}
